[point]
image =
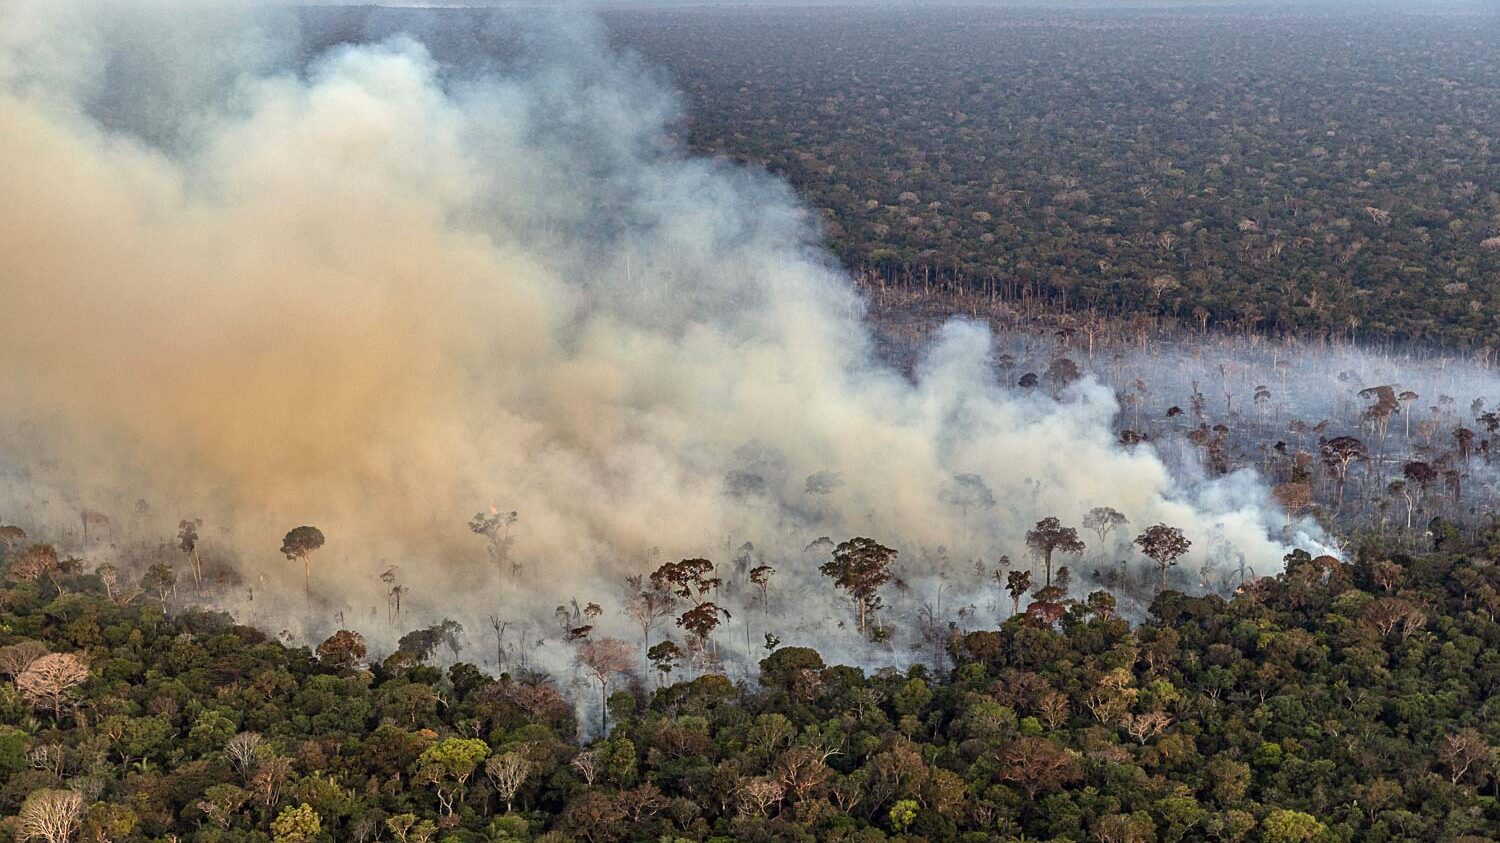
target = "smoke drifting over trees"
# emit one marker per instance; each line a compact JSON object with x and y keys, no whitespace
{"x":368,"y":292}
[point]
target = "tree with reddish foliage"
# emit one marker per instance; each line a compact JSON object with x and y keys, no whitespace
{"x":701,"y":621}
{"x":690,"y":579}
{"x":1048,"y":537}
{"x":342,"y":650}
{"x":1383,"y":405}
{"x":39,"y":560}
{"x":603,"y":659}
{"x":1037,"y":765}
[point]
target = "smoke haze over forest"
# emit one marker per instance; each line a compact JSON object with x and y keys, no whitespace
{"x":369,"y":291}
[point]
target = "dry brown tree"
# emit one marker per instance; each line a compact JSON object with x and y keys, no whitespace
{"x":49,"y":681}
{"x":50,"y":815}
{"x":15,"y":658}
{"x":604,"y":658}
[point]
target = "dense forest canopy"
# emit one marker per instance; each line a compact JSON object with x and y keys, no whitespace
{"x":1333,"y":702}
{"x":1322,"y":169}
{"x":1326,"y":169}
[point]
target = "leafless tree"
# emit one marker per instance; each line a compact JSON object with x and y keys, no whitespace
{"x":51,"y":815}
{"x":587,"y":763}
{"x":244,"y":752}
{"x":604,"y":658}
{"x":1461,"y":752}
{"x":49,"y":681}
{"x":15,"y":658}
{"x":1104,"y":520}
{"x":648,"y":605}
{"x":508,"y":771}
{"x":757,"y":795}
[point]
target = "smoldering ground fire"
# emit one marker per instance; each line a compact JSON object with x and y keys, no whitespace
{"x":372,"y":293}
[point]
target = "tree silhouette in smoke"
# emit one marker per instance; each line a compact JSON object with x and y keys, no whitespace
{"x":187,"y":542}
{"x":299,"y":544}
{"x":1050,"y":536}
{"x":1163,"y":545}
{"x":860,"y":566}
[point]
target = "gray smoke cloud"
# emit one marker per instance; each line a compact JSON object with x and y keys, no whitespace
{"x":363,"y":292}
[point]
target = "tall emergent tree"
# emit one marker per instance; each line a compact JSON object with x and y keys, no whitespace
{"x":603,"y":659}
{"x":299,"y":543}
{"x":1050,"y":536}
{"x":187,"y":542}
{"x":1163,"y":545}
{"x":860,"y":566}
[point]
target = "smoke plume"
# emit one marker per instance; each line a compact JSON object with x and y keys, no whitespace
{"x":371,"y":293}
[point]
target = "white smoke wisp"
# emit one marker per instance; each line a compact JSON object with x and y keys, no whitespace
{"x":369,"y":295}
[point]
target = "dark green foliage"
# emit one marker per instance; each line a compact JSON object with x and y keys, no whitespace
{"x":1337,"y":701}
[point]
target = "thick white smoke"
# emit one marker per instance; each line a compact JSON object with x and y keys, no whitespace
{"x":366,"y":294}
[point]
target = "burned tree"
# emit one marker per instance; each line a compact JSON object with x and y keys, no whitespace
{"x":860,"y":566}
{"x":1407,"y":398}
{"x":1050,"y":536}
